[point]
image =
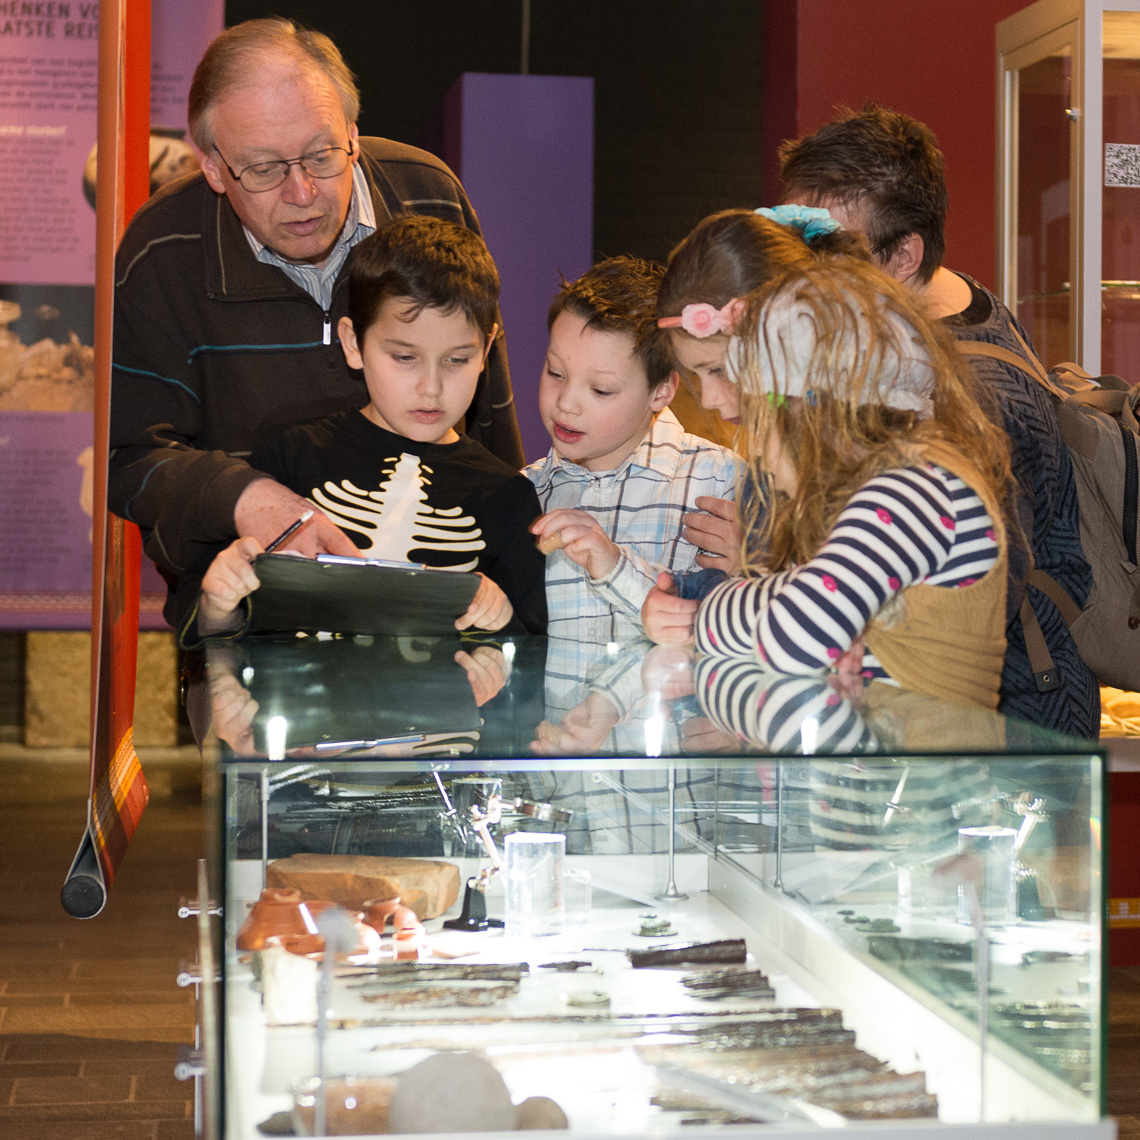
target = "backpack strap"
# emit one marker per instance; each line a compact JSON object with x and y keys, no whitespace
{"x":1029,"y":364}
{"x":1057,"y":594}
{"x":1040,"y":659}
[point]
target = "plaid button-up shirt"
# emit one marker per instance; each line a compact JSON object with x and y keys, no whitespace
{"x":639,"y":505}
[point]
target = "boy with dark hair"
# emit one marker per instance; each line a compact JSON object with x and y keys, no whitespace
{"x":396,"y":476}
{"x":622,"y":471}
{"x":880,"y":173}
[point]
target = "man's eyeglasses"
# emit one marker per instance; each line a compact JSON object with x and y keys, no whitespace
{"x":262,"y":176}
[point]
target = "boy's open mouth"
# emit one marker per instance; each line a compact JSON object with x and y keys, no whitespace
{"x":427,"y":415}
{"x":566,"y":435}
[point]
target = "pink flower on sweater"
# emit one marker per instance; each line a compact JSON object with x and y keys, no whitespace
{"x":829,"y":583}
{"x":884,"y":516}
{"x":893,"y":582}
{"x":948,"y":523}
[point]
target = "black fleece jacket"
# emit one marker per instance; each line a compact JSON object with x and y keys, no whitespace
{"x":212,"y":348}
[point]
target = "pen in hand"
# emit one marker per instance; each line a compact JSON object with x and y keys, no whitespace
{"x":289,"y":531}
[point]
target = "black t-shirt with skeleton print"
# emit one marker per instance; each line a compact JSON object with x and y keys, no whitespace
{"x":452,"y":505}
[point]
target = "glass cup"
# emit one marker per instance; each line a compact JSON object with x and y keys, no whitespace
{"x":997,"y":890}
{"x":577,"y":895}
{"x":533,"y":880}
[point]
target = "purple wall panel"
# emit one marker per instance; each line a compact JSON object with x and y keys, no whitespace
{"x":526,"y":158}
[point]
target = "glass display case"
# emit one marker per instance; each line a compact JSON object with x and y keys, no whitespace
{"x":640,"y":893}
{"x":1069,"y":179}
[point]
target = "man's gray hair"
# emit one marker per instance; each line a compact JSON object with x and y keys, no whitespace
{"x":234,"y":55}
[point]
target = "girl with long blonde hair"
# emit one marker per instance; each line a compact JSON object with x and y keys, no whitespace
{"x":875,"y":490}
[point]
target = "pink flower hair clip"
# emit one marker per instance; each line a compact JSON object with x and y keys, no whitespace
{"x":705,"y":320}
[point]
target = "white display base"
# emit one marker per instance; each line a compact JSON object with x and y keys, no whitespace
{"x":609,"y":1095}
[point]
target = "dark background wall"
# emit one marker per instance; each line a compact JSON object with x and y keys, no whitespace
{"x":677,"y":90}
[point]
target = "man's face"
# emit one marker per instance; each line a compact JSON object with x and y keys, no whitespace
{"x":292,"y":111}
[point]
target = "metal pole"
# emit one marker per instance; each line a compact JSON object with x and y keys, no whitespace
{"x":671,"y":894}
{"x":264,"y":828}
{"x":779,"y":883}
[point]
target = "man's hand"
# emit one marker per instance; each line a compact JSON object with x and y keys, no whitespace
{"x":666,"y":618}
{"x":266,"y":508}
{"x":715,"y":528}
{"x":487,"y":670}
{"x":489,"y":609}
{"x":229,"y":579}
{"x":583,"y":540}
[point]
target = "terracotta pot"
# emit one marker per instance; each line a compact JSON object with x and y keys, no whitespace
{"x":279,"y":911}
{"x":367,"y":938}
{"x":404,"y":918}
{"x":378,"y":912}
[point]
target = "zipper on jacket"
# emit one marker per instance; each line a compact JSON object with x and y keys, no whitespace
{"x":326,"y":335}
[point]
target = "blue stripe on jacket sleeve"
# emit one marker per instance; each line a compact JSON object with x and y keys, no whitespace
{"x":156,"y":376}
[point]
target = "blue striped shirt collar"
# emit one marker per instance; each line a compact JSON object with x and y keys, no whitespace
{"x":359,"y":222}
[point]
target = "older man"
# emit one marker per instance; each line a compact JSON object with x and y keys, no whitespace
{"x":229,"y":289}
{"x":880,"y":172}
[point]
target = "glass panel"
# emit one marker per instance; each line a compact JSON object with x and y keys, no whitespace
{"x":309,"y":698}
{"x":1120,"y":330}
{"x":845,"y":865}
{"x":1043,"y":206}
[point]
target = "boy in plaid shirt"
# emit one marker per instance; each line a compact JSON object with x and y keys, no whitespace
{"x":622,"y":472}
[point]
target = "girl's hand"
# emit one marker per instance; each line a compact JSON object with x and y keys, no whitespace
{"x":489,"y":609}
{"x":229,"y":579}
{"x":666,"y":618}
{"x":583,"y":540}
{"x":714,"y":527}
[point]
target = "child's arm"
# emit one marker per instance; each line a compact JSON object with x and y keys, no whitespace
{"x":229,"y":579}
{"x":621,"y":577}
{"x":489,"y":609}
{"x":666,"y":617}
{"x":898,"y":529}
{"x":582,"y":540}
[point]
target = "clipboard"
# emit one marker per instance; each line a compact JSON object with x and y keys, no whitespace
{"x":357,"y":595}
{"x":387,"y":696}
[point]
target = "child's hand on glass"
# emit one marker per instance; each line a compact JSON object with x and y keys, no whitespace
{"x":714,"y":528}
{"x":489,"y":609}
{"x":487,"y":671}
{"x":229,"y":579}
{"x":583,"y":540}
{"x":667,"y":618}
{"x":582,"y":730}
{"x":232,"y":708}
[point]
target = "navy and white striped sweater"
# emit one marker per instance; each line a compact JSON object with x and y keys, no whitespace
{"x":905,"y":526}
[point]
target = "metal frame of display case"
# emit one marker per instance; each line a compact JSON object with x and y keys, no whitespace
{"x":893,"y":1019}
{"x":1023,"y":39}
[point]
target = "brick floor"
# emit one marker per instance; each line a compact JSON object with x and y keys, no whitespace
{"x":90,"y":1015}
